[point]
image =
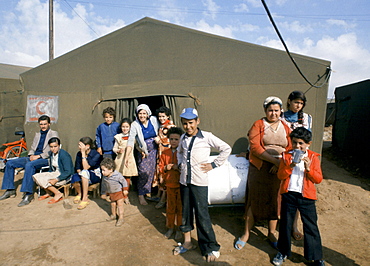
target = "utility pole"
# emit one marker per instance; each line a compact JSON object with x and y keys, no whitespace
{"x":51,"y":30}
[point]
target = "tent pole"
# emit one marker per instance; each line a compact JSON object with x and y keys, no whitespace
{"x":51,"y":30}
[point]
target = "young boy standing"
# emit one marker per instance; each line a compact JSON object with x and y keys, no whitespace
{"x":116,"y":187}
{"x":193,"y":154}
{"x":168,"y":167}
{"x":105,"y":133}
{"x":299,"y":176}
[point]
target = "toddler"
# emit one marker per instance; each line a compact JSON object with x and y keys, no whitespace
{"x":116,"y":187}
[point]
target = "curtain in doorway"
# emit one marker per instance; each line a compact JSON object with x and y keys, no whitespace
{"x":170,"y":102}
{"x":126,"y":108}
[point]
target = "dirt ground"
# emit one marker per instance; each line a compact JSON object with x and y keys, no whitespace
{"x":45,"y":234}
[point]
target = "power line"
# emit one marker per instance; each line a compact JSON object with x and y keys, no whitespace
{"x":345,"y":17}
{"x":81,"y":17}
{"x":328,"y":70}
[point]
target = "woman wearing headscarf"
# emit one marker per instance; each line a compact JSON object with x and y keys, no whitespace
{"x":268,"y":138}
{"x":145,"y":131}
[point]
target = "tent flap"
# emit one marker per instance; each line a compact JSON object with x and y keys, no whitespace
{"x":145,"y":89}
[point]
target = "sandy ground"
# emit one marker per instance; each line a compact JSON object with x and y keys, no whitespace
{"x":45,"y":234}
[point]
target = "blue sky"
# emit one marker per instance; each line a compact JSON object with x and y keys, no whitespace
{"x":334,"y":30}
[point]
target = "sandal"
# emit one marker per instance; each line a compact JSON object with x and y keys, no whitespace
{"x":111,"y":218}
{"x":274,"y":245}
{"x":44,"y":197}
{"x":119,"y":222}
{"x":77,"y":200}
{"x":239,"y":244}
{"x":297,"y":235}
{"x":83,"y":205}
{"x":273,"y":240}
{"x":52,"y":201}
{"x":155,"y":199}
{"x":180,"y":249}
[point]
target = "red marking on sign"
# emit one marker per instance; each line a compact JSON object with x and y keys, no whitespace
{"x":38,"y":109}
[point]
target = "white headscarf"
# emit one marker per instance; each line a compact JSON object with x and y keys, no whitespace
{"x":143,"y":107}
{"x":272,"y":99}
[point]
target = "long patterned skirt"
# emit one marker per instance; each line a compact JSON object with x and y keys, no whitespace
{"x":146,"y":167}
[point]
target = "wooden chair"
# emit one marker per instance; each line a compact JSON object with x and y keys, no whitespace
{"x":95,"y":188}
{"x":64,"y":184}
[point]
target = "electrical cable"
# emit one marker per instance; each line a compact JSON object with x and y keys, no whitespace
{"x":81,"y":18}
{"x":219,"y":12}
{"x":327,"y":74}
{"x":328,"y":69}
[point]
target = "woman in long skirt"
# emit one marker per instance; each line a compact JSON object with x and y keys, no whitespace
{"x":145,"y":131}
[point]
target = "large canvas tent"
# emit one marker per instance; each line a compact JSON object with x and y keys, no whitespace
{"x":158,"y":63}
{"x":11,"y":102}
{"x":352,"y":119}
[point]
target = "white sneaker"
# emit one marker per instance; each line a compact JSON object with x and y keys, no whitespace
{"x":212,"y":256}
{"x":279,"y":259}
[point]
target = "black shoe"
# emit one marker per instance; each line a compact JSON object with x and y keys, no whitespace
{"x":26,"y":200}
{"x":9,"y":193}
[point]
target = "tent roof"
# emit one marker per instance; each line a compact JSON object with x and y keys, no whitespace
{"x":147,"y":20}
{"x":363,"y":83}
{"x":12,"y":71}
{"x":151,"y":57}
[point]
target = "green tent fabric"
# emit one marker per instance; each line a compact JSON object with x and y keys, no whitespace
{"x":12,"y":106}
{"x":158,"y":63}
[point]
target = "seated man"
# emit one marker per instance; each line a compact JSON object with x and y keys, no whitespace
{"x":37,"y":158}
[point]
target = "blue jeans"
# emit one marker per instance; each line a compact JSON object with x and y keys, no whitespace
{"x":30,"y":168}
{"x":292,"y":201}
{"x":195,"y":200}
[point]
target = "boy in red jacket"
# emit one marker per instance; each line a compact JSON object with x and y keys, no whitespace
{"x":299,"y":171}
{"x":168,"y":167}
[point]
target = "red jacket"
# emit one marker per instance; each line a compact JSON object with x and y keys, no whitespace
{"x":171,"y":177}
{"x":314,"y":176}
{"x":257,"y":147}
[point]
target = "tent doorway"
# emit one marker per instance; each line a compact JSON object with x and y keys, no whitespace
{"x":154,"y":102}
{"x":127,"y":107}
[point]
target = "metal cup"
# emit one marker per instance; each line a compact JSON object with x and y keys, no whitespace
{"x":297,"y":155}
